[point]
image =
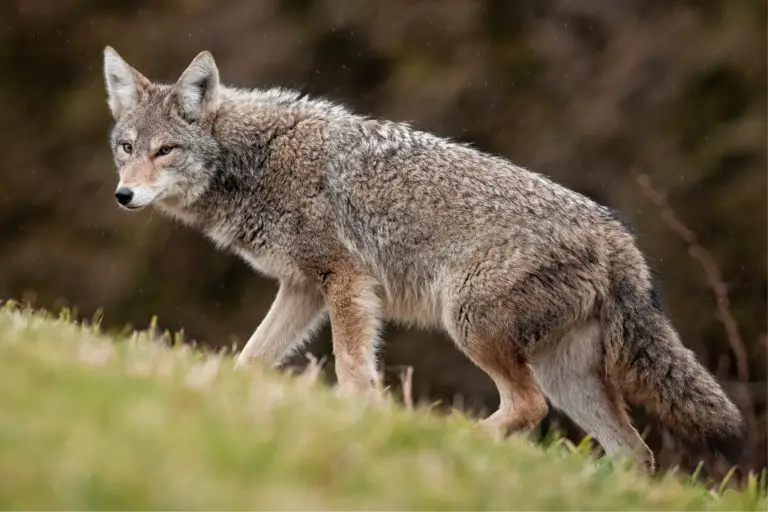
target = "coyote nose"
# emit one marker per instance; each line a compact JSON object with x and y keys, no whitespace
{"x":124,"y":195}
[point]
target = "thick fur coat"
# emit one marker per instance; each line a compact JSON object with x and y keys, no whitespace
{"x":364,"y":221}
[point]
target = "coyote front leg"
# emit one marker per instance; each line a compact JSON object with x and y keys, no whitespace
{"x":354,"y":310}
{"x":295,"y":313}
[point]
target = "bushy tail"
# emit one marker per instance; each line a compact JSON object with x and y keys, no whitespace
{"x":650,"y":366}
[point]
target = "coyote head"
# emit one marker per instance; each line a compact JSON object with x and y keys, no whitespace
{"x":162,"y":140}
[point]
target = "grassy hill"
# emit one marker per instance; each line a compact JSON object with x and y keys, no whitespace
{"x":92,"y":422}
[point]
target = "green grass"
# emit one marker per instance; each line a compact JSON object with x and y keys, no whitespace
{"x":92,"y":422}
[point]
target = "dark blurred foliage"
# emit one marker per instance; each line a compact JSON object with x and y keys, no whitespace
{"x":589,"y":92}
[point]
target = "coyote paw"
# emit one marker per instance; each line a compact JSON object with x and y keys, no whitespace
{"x":505,"y":423}
{"x":242,"y":362}
{"x":366,"y":392}
{"x":495,"y":426}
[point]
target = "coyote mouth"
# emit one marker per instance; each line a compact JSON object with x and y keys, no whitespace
{"x":131,"y":207}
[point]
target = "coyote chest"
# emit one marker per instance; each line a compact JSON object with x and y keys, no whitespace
{"x":264,"y":260}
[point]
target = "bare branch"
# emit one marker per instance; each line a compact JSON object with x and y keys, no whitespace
{"x":719,"y":288}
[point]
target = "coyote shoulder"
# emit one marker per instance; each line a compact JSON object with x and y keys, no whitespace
{"x":364,"y":221}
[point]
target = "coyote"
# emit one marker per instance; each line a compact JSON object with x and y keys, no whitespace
{"x":365,"y":220}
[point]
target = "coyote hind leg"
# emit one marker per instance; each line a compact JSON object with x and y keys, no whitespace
{"x":571,"y":375}
{"x":521,"y":403}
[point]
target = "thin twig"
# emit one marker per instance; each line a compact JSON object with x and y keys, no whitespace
{"x":406,"y":380}
{"x":718,"y":286}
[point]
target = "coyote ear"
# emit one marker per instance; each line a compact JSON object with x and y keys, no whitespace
{"x":197,"y":90}
{"x":125,"y":85}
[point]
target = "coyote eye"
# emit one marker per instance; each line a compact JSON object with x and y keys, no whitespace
{"x":164,"y":150}
{"x":127,"y":147}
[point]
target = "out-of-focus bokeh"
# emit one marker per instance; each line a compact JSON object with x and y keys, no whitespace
{"x":592,"y":93}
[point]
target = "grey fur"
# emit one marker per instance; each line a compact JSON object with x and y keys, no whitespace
{"x":365,"y":220}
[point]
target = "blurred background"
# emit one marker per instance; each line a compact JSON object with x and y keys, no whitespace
{"x":592,"y":93}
